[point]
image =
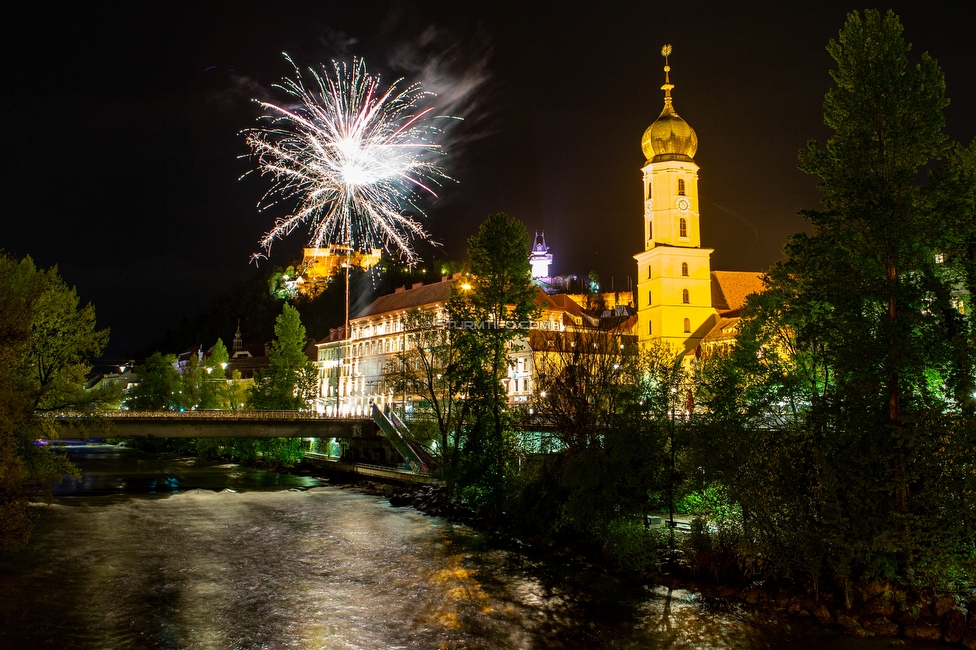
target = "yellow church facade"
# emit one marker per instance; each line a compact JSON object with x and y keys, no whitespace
{"x":679,"y":299}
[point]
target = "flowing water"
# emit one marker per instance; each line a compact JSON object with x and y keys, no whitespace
{"x":150,"y":552}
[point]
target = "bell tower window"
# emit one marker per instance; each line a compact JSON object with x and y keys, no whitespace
{"x":684,"y":269}
{"x":685,"y":296}
{"x":681,"y":187}
{"x":682,"y":227}
{"x":650,"y":229}
{"x":687,"y":326}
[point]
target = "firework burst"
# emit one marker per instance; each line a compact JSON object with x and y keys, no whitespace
{"x":353,"y":157}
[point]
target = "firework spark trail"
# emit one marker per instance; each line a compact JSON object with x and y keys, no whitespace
{"x":353,"y":157}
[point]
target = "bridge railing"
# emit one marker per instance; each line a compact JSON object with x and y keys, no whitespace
{"x":200,"y":415}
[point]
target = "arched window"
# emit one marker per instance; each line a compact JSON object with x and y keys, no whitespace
{"x":649,"y":301}
{"x":681,"y":187}
{"x":685,"y":296}
{"x":649,"y":192}
{"x":684,"y":269}
{"x":682,"y":227}
{"x":687,"y":326}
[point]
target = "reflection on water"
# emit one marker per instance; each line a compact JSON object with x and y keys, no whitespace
{"x":271,"y":567}
{"x":115,"y":470}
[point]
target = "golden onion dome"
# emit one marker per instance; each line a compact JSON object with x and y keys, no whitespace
{"x":669,"y":137}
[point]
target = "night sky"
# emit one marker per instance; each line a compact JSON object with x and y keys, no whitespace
{"x":123,"y":120}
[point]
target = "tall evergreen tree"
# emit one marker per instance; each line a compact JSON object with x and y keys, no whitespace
{"x":218,"y":357}
{"x":289,"y":381}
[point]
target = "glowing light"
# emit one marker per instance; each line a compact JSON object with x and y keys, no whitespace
{"x":353,"y":157}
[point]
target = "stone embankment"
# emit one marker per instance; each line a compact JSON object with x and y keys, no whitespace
{"x":877,"y":609}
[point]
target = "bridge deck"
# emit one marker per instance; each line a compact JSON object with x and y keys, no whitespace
{"x":220,"y":424}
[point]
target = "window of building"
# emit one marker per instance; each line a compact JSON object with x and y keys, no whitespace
{"x":649,"y":193}
{"x":650,"y":229}
{"x":687,"y":326}
{"x":685,"y":296}
{"x":650,"y":328}
{"x":649,"y":301}
{"x":682,"y":227}
{"x":648,"y":271}
{"x":681,"y":187}
{"x":684,"y":269}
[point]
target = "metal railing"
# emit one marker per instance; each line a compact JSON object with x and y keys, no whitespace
{"x":202,"y":415}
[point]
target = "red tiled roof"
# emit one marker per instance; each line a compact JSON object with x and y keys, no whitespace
{"x":730,"y":288}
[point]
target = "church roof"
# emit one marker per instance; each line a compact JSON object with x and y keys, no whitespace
{"x":723,"y":330}
{"x":669,"y":137}
{"x":730,"y":288}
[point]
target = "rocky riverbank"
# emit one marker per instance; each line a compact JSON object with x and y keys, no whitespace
{"x":876,"y":609}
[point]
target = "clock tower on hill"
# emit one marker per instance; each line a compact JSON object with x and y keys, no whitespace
{"x":673,"y":297}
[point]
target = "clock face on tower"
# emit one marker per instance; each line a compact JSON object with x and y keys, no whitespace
{"x":683,"y":204}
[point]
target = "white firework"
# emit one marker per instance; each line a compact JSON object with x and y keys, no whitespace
{"x":353,"y":157}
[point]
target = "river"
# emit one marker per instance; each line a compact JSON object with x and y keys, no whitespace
{"x":162,"y":552}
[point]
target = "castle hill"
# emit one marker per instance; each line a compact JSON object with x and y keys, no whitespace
{"x":394,"y":326}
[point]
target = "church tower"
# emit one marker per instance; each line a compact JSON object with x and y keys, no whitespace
{"x":674,"y":287}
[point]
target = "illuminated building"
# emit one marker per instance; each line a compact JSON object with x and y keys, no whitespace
{"x":358,"y":371}
{"x":540,"y":258}
{"x":320,"y":265}
{"x":675,"y":287}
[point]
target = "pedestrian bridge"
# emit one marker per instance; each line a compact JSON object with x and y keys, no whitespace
{"x":215,"y":424}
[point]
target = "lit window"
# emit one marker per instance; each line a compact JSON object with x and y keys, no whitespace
{"x":687,"y":326}
{"x":682,"y":227}
{"x":685,"y":296}
{"x":939,"y":258}
{"x":684,"y":269}
{"x":681,"y":187}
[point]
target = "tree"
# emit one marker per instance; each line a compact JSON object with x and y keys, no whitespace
{"x":581,"y":382}
{"x":218,"y":357}
{"x":856,"y":346}
{"x":159,"y":386}
{"x":488,"y":312}
{"x":421,"y":370}
{"x":235,"y":393}
{"x":289,"y":381}
{"x":45,"y":343}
